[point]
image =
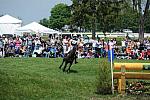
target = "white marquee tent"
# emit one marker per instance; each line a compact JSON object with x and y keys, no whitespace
{"x":9,"y":24}
{"x":36,"y":28}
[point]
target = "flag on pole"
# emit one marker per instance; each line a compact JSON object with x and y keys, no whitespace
{"x":111,"y":59}
{"x":111,"y":54}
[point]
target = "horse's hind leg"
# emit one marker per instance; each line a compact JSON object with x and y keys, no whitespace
{"x":75,"y":59}
{"x":62,"y":64}
{"x":65,"y":66}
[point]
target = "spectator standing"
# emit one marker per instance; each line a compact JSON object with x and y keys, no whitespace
{"x":65,"y":45}
{"x":111,"y":44}
{"x":99,"y":47}
{"x":69,"y":45}
{"x":11,"y":42}
{"x":80,"y":48}
{"x":123,"y":45}
{"x":94,"y":45}
{"x":18,"y":43}
{"x":1,"y":46}
{"x":141,"y":46}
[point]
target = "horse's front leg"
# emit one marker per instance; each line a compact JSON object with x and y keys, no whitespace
{"x":65,"y":66}
{"x":61,"y":64}
{"x":68,"y":70}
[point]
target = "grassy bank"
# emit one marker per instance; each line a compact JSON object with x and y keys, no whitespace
{"x":40,"y":78}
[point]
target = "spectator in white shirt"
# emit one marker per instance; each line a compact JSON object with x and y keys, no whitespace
{"x":65,"y":45}
{"x":94,"y":44}
{"x":37,"y":42}
{"x":123,"y":45}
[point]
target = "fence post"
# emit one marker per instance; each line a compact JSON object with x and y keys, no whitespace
{"x":119,"y":84}
{"x":123,"y":80}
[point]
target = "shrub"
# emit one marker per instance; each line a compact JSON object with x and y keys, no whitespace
{"x":104,"y":78}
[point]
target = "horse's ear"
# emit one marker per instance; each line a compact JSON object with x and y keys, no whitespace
{"x":75,"y":47}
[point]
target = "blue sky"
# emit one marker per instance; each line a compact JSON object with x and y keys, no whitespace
{"x":29,"y":10}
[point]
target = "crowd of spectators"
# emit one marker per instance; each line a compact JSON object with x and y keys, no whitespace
{"x":30,"y":46}
{"x":134,"y":49}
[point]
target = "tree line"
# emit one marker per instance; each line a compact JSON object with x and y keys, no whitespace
{"x":100,"y":15}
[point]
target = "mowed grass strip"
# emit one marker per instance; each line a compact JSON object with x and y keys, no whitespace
{"x":36,"y":78}
{"x":40,"y":78}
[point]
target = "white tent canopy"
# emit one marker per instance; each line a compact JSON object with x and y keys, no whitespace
{"x":9,"y":24}
{"x":6,"y":19}
{"x":37,"y":28}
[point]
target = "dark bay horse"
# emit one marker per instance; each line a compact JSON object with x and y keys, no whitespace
{"x":69,"y":58}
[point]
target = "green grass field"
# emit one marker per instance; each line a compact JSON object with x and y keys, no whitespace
{"x":41,"y":79}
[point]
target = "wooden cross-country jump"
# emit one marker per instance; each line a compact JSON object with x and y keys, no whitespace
{"x":123,"y":75}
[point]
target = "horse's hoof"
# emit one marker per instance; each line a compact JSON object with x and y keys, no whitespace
{"x":68,"y":72}
{"x":63,"y":70}
{"x":76,"y":62}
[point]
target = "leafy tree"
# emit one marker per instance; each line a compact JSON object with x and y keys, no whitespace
{"x":84,"y":15}
{"x":44,"y":22}
{"x":93,"y":13}
{"x":60,"y":16}
{"x":137,"y":5}
{"x":99,"y":15}
{"x":147,"y":23}
{"x":80,"y":16}
{"x":127,"y":19}
{"x":108,"y":11}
